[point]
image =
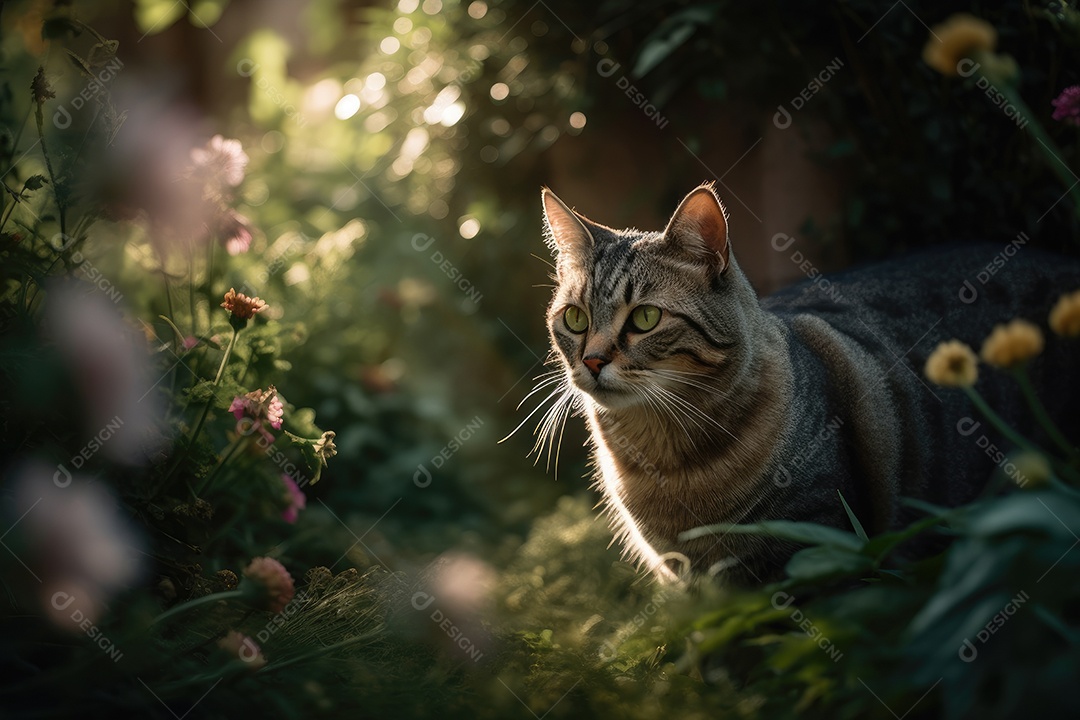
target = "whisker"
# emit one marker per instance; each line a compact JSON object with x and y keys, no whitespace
{"x":542,"y":402}
{"x":690,"y":406}
{"x":546,"y":383}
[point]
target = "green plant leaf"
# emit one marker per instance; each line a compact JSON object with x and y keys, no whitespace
{"x":801,"y":532}
{"x":854,"y":520}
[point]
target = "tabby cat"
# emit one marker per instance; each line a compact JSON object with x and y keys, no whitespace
{"x":706,"y":405}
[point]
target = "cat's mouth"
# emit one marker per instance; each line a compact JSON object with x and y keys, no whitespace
{"x":608,"y":390}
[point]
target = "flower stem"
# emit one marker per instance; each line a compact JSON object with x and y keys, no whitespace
{"x":184,"y":607}
{"x":206,"y":407}
{"x":209,"y":481}
{"x":1014,"y":437}
{"x":1043,"y":416}
{"x":322,"y":651}
{"x":1048,"y":147}
{"x":225,"y":359}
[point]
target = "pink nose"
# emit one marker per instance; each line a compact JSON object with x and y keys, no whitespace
{"x":595,"y":363}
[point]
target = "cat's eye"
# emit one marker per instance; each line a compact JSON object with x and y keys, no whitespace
{"x":645,"y":317}
{"x":575,"y":318}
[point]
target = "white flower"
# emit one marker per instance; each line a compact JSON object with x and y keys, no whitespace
{"x":223,"y":160}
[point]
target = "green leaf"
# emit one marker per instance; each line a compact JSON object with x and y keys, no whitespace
{"x":202,"y":391}
{"x":658,"y":49}
{"x":824,"y":562}
{"x":801,"y":532}
{"x":882,"y":545}
{"x":854,"y":520}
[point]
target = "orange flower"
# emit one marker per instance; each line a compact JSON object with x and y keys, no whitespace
{"x":957,"y":38}
{"x":1065,"y":316}
{"x":241,"y":306}
{"x":952,"y":364}
{"x":1012,"y":344}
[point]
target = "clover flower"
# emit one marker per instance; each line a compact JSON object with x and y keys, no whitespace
{"x":240,"y":646}
{"x":222,"y":161}
{"x":235,"y":233}
{"x":1012,"y":344}
{"x":1067,"y":106}
{"x":952,"y":364}
{"x":268,"y":585}
{"x":296,"y":499}
{"x":1065,"y":315}
{"x":260,"y":407}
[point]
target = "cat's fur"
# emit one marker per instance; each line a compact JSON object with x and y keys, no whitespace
{"x":739,"y":410}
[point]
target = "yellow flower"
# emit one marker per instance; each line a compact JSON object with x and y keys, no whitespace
{"x":241,"y":306}
{"x":1028,"y":469}
{"x":1011,"y":344}
{"x":952,"y":364}
{"x":957,"y":38}
{"x":1065,"y":317}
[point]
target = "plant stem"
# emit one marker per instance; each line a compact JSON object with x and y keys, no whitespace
{"x":209,"y":481}
{"x":321,"y":651}
{"x":225,"y":359}
{"x":184,"y":607}
{"x":1047,"y":145}
{"x":206,"y":407}
{"x":39,"y":116}
{"x":1042,"y":416}
{"x":1014,"y":437}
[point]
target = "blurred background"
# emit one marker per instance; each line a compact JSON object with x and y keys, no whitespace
{"x":372,"y":170}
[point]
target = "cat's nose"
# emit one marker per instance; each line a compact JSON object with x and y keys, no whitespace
{"x":595,"y":362}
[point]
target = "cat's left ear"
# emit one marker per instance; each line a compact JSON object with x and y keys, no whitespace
{"x":566,"y":234}
{"x":700,"y":227}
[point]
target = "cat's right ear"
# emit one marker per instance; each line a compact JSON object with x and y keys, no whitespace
{"x":565,"y":233}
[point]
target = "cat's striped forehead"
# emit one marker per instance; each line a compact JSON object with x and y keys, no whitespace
{"x":624,"y":267}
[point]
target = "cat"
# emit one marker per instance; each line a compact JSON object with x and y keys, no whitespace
{"x":708,"y":405}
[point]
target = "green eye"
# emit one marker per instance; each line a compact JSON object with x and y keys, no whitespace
{"x":575,"y":318}
{"x":645,"y":317}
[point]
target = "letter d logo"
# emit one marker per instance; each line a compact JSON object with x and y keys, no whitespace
{"x":62,"y":600}
{"x":421,"y":472}
{"x":62,"y":477}
{"x":782,"y":118}
{"x":61,"y":118}
{"x":422,"y":601}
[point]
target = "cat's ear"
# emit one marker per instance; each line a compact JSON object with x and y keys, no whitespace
{"x":700,"y":227}
{"x":565,"y":234}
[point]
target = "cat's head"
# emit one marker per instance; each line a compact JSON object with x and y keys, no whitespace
{"x":632,"y":310}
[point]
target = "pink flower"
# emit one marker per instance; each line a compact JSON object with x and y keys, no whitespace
{"x":254,"y":409}
{"x":190,"y":341}
{"x":1067,"y":106}
{"x":296,"y":499}
{"x":241,"y":646}
{"x":270,"y":586}
{"x":234,"y":230}
{"x":221,"y":160}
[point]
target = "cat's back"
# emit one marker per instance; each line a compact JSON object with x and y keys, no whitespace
{"x":966,"y":288}
{"x":859,"y":340}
